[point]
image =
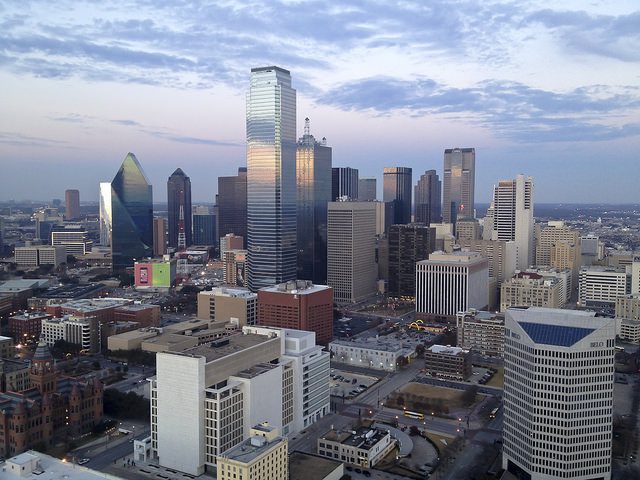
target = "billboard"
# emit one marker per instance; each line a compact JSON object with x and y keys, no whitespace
{"x":161,"y":275}
{"x":143,"y":274}
{"x":155,"y":274}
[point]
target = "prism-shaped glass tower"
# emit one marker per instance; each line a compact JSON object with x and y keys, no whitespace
{"x":131,"y":214}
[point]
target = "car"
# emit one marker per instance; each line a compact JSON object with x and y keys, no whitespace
{"x":82,"y":461}
{"x":366,"y":473}
{"x":358,"y":470}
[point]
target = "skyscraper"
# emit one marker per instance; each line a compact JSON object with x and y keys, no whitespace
{"x":513,"y":216}
{"x":367,"y":190}
{"x":408,"y":244}
{"x":72,"y":204}
{"x":105,"y":214}
{"x":204,"y":226}
{"x":313,"y":173}
{"x":344,"y":183}
{"x":397,"y":189}
{"x":271,"y":178}
{"x":179,"y":206}
{"x":558,"y":394}
{"x":428,"y":199}
{"x":459,"y":184}
{"x":131,"y":214}
{"x":232,"y":205}
{"x":159,"y":236}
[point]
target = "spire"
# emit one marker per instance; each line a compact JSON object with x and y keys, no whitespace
{"x":42,"y":352}
{"x":307,"y":127}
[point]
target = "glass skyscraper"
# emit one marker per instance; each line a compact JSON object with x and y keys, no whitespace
{"x":397,"y":186}
{"x":232,"y":205}
{"x":344,"y":183}
{"x":427,"y":198}
{"x":131,"y":214}
{"x":105,"y":214}
{"x":313,"y":173}
{"x":271,"y":178}
{"x":179,"y":195}
{"x":459,"y":184}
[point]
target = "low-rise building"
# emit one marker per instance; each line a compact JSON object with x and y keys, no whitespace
{"x":74,"y":238}
{"x":629,"y":330}
{"x":84,"y":332}
{"x":530,"y":289}
{"x":101,"y":308}
{"x":145,"y":315}
{"x":131,"y":340}
{"x":375,"y":354}
{"x":447,"y":362}
{"x":169,"y":342}
{"x":7,"y":349}
{"x":36,"y":255}
{"x":363,"y":447}
{"x":314,"y":467}
{"x":14,"y":375}
{"x":32,"y":465}
{"x":157,"y":274}
{"x":26,"y":326}
{"x":229,"y":304}
{"x":628,"y":306}
{"x":263,"y":456}
{"x":481,"y":331}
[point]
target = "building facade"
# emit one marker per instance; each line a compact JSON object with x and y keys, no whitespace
{"x":458,"y":189}
{"x":344,"y":183}
{"x":599,"y":285}
{"x":228,"y":304}
{"x":628,"y":306}
{"x":367,"y":190}
{"x":232,"y":205}
{"x":558,"y":394}
{"x":179,"y":210}
{"x":271,"y":178}
{"x":204,"y":226}
{"x":397,"y":188}
{"x":529,"y":289}
{"x":481,"y":331}
{"x":234,"y":268}
{"x":74,"y":238}
{"x":428,"y":198}
{"x":105,"y":214}
{"x":159,"y":237}
{"x":447,"y":362}
{"x":363,"y":447}
{"x":408,"y":244}
{"x":34,"y":256}
{"x":72,"y":205}
{"x":83,"y":332}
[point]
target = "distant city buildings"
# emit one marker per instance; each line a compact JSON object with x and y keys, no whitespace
{"x":271,"y":178}
{"x":344,"y":183}
{"x":74,"y":238}
{"x":458,"y":188}
{"x":558,"y":394}
{"x":72,"y":205}
{"x":367,"y":190}
{"x":105,"y":214}
{"x":232,"y":206}
{"x":159,"y":236}
{"x":34,"y":256}
{"x":397,"y":189}
{"x":179,"y":210}
{"x":428,"y":198}
{"x":204,"y":226}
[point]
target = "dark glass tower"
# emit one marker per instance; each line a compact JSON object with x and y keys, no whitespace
{"x":271,"y":178}
{"x":232,"y":205}
{"x":397,"y":186}
{"x":179,"y":198}
{"x":344,"y":183}
{"x":204,"y":229}
{"x":131,"y":214}
{"x":313,"y":174}
{"x":458,"y":184}
{"x":427,"y":198}
{"x":408,"y":244}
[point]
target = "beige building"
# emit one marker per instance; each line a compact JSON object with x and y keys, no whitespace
{"x":234,"y":263}
{"x":309,"y":466}
{"x":131,"y":340}
{"x":34,"y":256}
{"x":468,"y":229}
{"x":363,"y":447}
{"x":500,"y":254}
{"x":629,"y":330}
{"x":551,"y":234}
{"x":628,"y":306}
{"x":529,"y":289}
{"x":7,"y":349}
{"x":84,"y":332}
{"x":263,"y":456}
{"x":235,"y":305}
{"x":602,"y":285}
{"x":481,"y":331}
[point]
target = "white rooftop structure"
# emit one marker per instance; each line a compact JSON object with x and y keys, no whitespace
{"x":447,"y":349}
{"x":32,"y":465}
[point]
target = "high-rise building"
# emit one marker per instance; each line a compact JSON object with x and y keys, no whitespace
{"x":467,"y":229}
{"x":602,"y":286}
{"x":36,"y":255}
{"x":271,"y":178}
{"x":513,"y":216}
{"x":74,"y":238}
{"x":72,"y":205}
{"x":230,"y":242}
{"x":351,"y":245}
{"x":204,"y":226}
{"x":558,"y":394}
{"x":450,"y":283}
{"x":397,"y":188}
{"x":234,"y":267}
{"x":231,"y":205}
{"x":367,"y":190}
{"x":344,"y":183}
{"x":458,"y":190}
{"x":179,"y":207}
{"x":229,"y":304}
{"x":131,"y":214}
{"x":592,"y":249}
{"x":300,"y":305}
{"x":530,"y":289}
{"x":408,"y":244}
{"x":105,"y":214}
{"x":313,"y":175}
{"x":428,"y":198}
{"x":159,"y":236}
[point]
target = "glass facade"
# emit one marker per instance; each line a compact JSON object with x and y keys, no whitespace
{"x":204,"y":229}
{"x":313,"y":173}
{"x":232,"y":205}
{"x":105,"y":214}
{"x":459,"y":184}
{"x":131,"y":214}
{"x":179,"y":194}
{"x":397,"y":186}
{"x":271,"y":178}
{"x":427,"y":198}
{"x":344,"y":183}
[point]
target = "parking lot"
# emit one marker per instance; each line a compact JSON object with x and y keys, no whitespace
{"x":349,"y":384}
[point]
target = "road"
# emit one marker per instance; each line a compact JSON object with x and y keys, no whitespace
{"x":104,"y":454}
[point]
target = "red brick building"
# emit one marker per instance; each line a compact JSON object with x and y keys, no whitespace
{"x":300,"y":305}
{"x":26,"y":326}
{"x":143,"y":314}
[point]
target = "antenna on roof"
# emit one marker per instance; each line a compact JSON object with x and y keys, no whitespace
{"x":307,"y":127}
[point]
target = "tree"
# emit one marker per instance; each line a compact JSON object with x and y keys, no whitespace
{"x":125,"y":405}
{"x":469,"y":395}
{"x":420,"y":349}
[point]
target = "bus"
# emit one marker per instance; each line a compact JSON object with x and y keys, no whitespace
{"x":419,"y":416}
{"x":494,"y":412}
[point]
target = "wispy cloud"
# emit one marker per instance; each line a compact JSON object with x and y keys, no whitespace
{"x":20,"y":140}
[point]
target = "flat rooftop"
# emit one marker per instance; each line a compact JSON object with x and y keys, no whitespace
{"x":53,"y":468}
{"x":484,"y":316}
{"x":191,"y":324}
{"x":230,"y":292}
{"x":87,"y":305}
{"x":133,"y":334}
{"x":30,"y":316}
{"x":311,"y":467}
{"x":454,"y":258}
{"x":447,"y":350}
{"x":137,"y":307}
{"x":250,"y":449}
{"x":298,"y":287}
{"x":226,"y":346}
{"x":364,"y":438}
{"x":363,"y":344}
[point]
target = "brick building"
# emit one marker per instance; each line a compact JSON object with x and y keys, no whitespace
{"x":26,"y":326}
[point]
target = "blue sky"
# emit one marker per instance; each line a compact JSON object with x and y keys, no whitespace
{"x":549,"y":89}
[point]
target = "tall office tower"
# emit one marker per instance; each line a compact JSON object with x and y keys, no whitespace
{"x":344,"y":183}
{"x":159,"y":236}
{"x":351,"y":250}
{"x":231,"y":203}
{"x":105,"y":214}
{"x":72,"y":204}
{"x":46,"y":218}
{"x":513,"y":216}
{"x":449,"y":283}
{"x":428,"y":198}
{"x":179,"y":207}
{"x":408,"y":244}
{"x":271,"y":178}
{"x":313,"y":176}
{"x":131,"y":214}
{"x":384,"y":216}
{"x":367,"y":190}
{"x":458,"y":191}
{"x":487,"y":224}
{"x":558,"y":394}
{"x":300,"y":305}
{"x":396,"y":186}
{"x":500,"y":254}
{"x":204,"y":226}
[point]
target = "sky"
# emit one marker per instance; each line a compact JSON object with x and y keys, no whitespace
{"x":548,"y":89}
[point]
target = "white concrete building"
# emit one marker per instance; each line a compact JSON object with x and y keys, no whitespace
{"x":377,"y":354}
{"x":629,"y":330}
{"x":34,"y":256}
{"x":558,"y":394}
{"x":513,"y":216}
{"x":84,"y":332}
{"x":602,"y":285}
{"x":450,"y":283}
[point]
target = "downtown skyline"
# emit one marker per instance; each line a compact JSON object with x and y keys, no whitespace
{"x":384,"y":84}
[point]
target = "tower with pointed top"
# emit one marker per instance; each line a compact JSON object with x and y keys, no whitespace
{"x":179,"y":208}
{"x":131,"y":214}
{"x":43,"y":374}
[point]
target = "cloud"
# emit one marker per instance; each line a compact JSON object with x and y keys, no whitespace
{"x":509,"y":109}
{"x":20,"y":140}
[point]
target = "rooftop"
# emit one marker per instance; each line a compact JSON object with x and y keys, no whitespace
{"x":447,"y":350}
{"x":362,"y":438}
{"x":457,"y":257}
{"x":379,"y":346}
{"x":22,"y":284}
{"x":86,"y":305}
{"x":30,"y":316}
{"x":230,"y":292}
{"x":483,"y":316}
{"x":297,"y":287}
{"x":137,"y":307}
{"x":226,"y":346}
{"x":52,"y":468}
{"x":311,"y":467}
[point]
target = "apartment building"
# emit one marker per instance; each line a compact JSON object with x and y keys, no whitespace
{"x":447,"y":362}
